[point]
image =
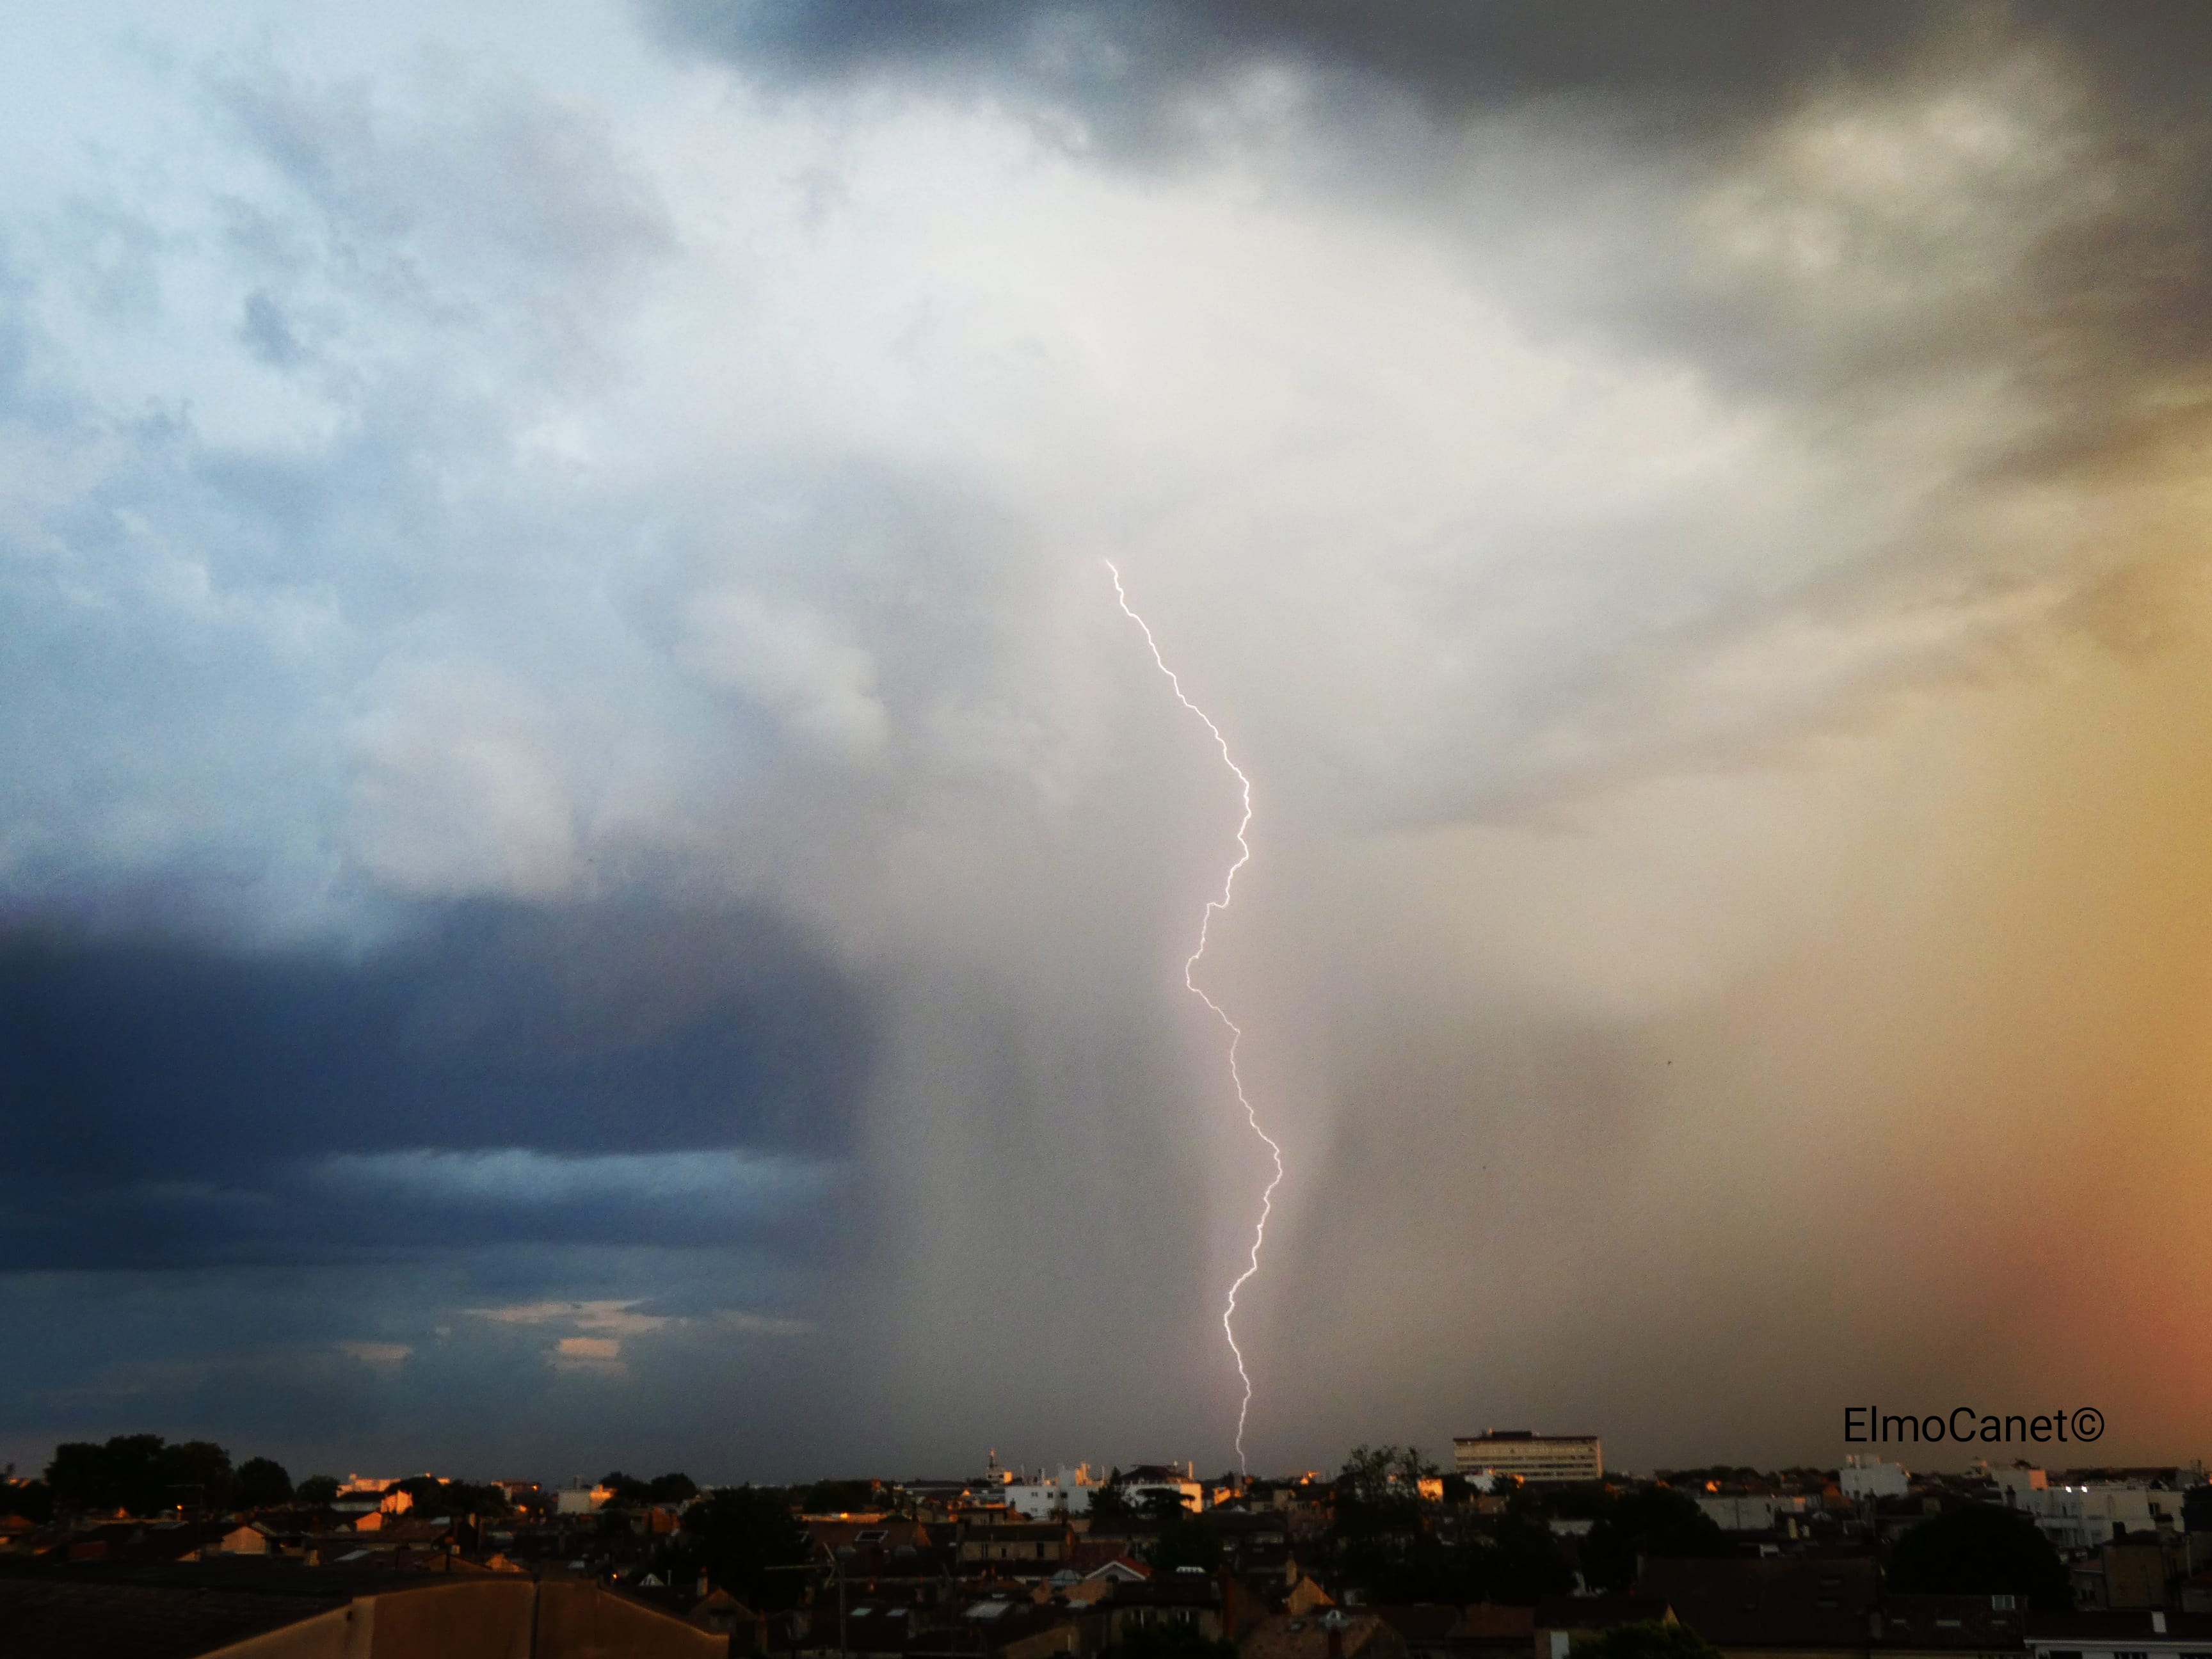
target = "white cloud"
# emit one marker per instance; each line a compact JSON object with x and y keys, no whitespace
{"x":790,"y":661}
{"x":723,"y":1182}
{"x":616,"y":1317}
{"x":458,"y":787}
{"x":378,"y":1356}
{"x":595,"y":1356}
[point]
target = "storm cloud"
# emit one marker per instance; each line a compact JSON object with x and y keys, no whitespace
{"x":504,"y":1074}
{"x":583,"y":837}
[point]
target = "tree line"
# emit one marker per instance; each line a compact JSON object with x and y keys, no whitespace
{"x":143,"y":1475}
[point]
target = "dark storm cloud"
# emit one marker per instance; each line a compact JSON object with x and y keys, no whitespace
{"x":1133,"y":66}
{"x":1637,"y":116}
{"x":1693,"y":68}
{"x":606,"y":1073}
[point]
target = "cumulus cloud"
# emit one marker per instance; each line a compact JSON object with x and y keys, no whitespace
{"x":457,"y":790}
{"x":825,"y":688}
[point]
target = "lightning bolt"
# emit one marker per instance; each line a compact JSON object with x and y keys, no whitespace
{"x":1236,"y":1031}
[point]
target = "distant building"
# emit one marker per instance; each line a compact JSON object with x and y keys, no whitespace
{"x":1871,"y":1476}
{"x":1752,"y":1512}
{"x":1067,"y":1492}
{"x":1776,"y":1604}
{"x":580,"y":1499}
{"x":1015,"y":1549}
{"x":1333,"y":1635}
{"x":1557,"y":1623}
{"x":2152,"y":1634}
{"x":1139,"y":1484}
{"x":2089,"y":1516}
{"x":1529,"y":1455}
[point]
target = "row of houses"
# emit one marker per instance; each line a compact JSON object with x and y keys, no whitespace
{"x":1825,"y":1607}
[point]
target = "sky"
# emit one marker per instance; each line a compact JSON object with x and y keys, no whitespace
{"x":590,"y":875}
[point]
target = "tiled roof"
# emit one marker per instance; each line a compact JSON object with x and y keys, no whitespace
{"x":1364,"y":1636}
{"x":2130,"y":1629}
{"x":1594,"y":1612}
{"x":1944,"y":1623}
{"x":1773,"y":1602}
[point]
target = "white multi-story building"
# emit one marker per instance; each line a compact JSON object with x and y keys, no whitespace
{"x":1871,"y":1477}
{"x":2087,"y":1517}
{"x":577,"y":1498}
{"x":1530,"y":1456}
{"x":1067,"y":1492}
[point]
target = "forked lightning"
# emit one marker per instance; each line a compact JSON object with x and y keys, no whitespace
{"x":1235,"y":1033}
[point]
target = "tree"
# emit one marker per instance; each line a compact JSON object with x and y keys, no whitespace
{"x":1111,"y":1507}
{"x":478,"y":1498}
{"x":1523,"y":1563}
{"x":454,"y":1497}
{"x":1382,"y":1474}
{"x":1382,"y":1539}
{"x":317,"y":1489}
{"x":628,"y":1489}
{"x":1979,"y":1549}
{"x":1651,"y":1521}
{"x":672,"y":1489}
{"x":142,"y":1474}
{"x":1649,"y":1639}
{"x":1185,"y":1541}
{"x":196,"y":1472}
{"x":1164,"y":1507}
{"x":839,"y":1497}
{"x":740,"y":1535}
{"x":262,"y":1484}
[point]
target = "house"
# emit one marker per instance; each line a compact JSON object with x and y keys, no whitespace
{"x":1487,"y":1629}
{"x":725,"y":1616}
{"x":1334,"y":1635}
{"x":1087,"y":1590}
{"x":1785,"y":1607}
{"x":2117,"y":1635}
{"x":1189,"y":1598}
{"x":1426,"y":1629}
{"x":2137,"y":1569}
{"x":1557,"y":1622}
{"x":1017,"y":1550}
{"x":1307,"y":1598}
{"x":1948,"y":1627}
{"x":886,"y":1549}
{"x":250,"y":1609}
